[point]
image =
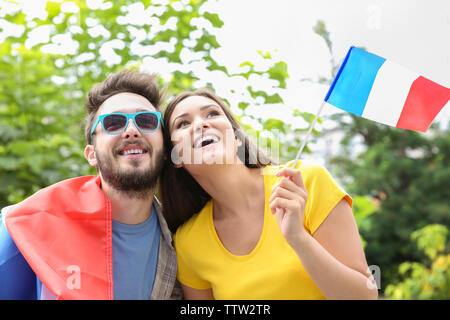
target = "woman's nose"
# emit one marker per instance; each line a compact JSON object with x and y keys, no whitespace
{"x":200,"y":123}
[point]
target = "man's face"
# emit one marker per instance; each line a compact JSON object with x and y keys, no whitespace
{"x":131,"y":161}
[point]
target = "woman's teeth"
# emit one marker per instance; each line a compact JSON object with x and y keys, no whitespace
{"x":206,"y":140}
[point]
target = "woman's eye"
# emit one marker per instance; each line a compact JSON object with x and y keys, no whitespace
{"x":182,"y":124}
{"x":212,"y":114}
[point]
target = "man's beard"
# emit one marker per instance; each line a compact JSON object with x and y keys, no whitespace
{"x":137,"y":183}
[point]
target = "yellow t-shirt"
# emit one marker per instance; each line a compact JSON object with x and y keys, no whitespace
{"x":272,"y":270}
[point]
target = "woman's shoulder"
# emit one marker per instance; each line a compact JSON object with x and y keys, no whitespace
{"x":195,"y":226}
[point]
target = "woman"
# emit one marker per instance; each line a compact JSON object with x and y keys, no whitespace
{"x":246,"y":229}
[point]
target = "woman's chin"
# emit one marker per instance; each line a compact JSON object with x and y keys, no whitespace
{"x":209,"y":158}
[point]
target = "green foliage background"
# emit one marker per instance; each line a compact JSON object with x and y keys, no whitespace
{"x":43,"y":90}
{"x":400,"y":182}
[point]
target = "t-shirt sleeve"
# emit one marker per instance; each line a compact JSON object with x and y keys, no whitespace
{"x":323,"y":195}
{"x":185,"y":273}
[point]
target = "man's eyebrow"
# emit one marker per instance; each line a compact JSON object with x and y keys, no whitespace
{"x":186,"y":113}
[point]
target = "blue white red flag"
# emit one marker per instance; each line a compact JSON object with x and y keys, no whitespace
{"x":378,"y":89}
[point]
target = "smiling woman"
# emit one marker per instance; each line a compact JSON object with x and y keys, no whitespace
{"x":181,"y":194}
{"x":243,"y":232}
{"x":204,"y":134}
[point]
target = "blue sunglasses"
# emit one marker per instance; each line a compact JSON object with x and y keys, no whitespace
{"x":116,"y":123}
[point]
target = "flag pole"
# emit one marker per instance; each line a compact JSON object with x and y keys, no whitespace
{"x":307,"y":135}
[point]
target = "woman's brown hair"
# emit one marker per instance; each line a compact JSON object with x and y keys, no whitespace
{"x":181,"y":195}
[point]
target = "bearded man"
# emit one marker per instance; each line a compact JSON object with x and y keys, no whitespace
{"x":98,"y":237}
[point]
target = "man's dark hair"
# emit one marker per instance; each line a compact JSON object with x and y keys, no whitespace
{"x":129,"y":80}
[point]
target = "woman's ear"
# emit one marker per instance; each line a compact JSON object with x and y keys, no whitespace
{"x":89,"y":154}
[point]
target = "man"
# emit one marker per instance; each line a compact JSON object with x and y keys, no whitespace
{"x":98,"y":237}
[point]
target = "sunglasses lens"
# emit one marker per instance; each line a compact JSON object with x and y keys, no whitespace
{"x":147,"y":121}
{"x":114,"y":123}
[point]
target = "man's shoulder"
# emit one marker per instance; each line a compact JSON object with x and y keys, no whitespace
{"x":64,"y":188}
{"x":53,"y":198}
{"x":167,"y":235}
{"x":165,"y":286}
{"x":80,"y":195}
{"x":4,"y":211}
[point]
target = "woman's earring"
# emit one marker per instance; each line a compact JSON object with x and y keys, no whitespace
{"x":175,"y":158}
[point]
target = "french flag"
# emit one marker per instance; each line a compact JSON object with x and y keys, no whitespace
{"x":378,"y":89}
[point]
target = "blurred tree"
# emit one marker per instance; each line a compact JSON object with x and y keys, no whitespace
{"x":363,"y":207}
{"x":406,"y":175}
{"x":50,"y":59}
{"x":45,"y":79}
{"x":425,"y":280}
{"x":40,"y":124}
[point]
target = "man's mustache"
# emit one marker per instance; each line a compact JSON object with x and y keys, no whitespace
{"x":124,"y":144}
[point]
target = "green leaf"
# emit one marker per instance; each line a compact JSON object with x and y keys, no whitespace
{"x":271,"y":124}
{"x":214,"y":19}
{"x":9,"y":163}
{"x":279,"y":72}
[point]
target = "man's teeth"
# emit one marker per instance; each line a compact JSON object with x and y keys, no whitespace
{"x":133,"y":151}
{"x":199,"y":142}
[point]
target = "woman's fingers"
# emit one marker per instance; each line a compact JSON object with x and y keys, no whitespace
{"x":288,"y":193}
{"x":287,"y":204}
{"x":288,"y":184}
{"x":294,"y":174}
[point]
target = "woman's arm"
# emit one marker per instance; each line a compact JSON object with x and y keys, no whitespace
{"x":197,"y":294}
{"x":333,"y":256}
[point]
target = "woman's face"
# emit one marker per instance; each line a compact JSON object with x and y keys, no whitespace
{"x":201,"y":134}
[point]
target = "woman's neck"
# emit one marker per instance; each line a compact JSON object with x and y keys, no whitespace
{"x":234,"y":188}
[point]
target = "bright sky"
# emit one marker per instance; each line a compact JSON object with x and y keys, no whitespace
{"x":413,"y":33}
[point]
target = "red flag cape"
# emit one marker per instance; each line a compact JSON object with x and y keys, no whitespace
{"x":64,"y":233}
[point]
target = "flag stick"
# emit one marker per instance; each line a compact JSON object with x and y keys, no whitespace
{"x":278,"y":210}
{"x":307,"y":135}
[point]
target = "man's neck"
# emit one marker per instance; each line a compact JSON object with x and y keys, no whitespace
{"x":127,"y":208}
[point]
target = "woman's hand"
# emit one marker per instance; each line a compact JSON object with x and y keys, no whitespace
{"x":288,"y":202}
